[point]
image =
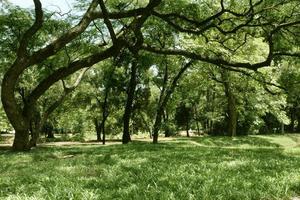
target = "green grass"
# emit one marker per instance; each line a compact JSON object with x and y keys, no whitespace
{"x":197,"y":168}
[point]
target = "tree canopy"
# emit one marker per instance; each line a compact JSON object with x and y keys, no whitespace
{"x":221,"y":67}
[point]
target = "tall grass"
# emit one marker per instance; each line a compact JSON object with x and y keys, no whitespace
{"x":178,"y":169}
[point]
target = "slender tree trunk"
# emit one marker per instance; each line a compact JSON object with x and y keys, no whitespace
{"x":164,"y":98}
{"x":98,"y":129}
{"x":35,"y":135}
{"x":35,"y":126}
{"x":166,"y":120}
{"x":104,"y":113}
{"x":35,"y":130}
{"x":160,"y":107}
{"x":147,"y":124}
{"x":187,"y":129}
{"x":198,"y":127}
{"x":196,"y":118}
{"x":157,"y":125}
{"x":129,"y":103}
{"x":50,"y":133}
{"x":103,"y":131}
{"x":208,"y":109}
{"x":292,"y":124}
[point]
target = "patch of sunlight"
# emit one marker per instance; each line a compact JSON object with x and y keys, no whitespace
{"x":134,"y":162}
{"x":68,"y":169}
{"x":293,"y":151}
{"x":58,"y":154}
{"x":234,"y":163}
{"x":246,"y":146}
{"x":286,"y":141}
{"x":19,"y":197}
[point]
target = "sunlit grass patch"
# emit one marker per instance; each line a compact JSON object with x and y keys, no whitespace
{"x":287,"y":140}
{"x":175,"y":169}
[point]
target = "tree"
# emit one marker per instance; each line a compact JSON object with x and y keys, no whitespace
{"x":168,"y":87}
{"x":220,"y":33}
{"x":289,"y":79}
{"x":20,"y":117}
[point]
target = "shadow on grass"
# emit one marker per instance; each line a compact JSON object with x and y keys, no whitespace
{"x":141,"y":170}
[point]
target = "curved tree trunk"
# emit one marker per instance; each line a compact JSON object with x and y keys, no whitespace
{"x":164,"y":98}
{"x":13,"y":111}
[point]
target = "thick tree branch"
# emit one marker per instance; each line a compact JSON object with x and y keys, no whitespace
{"x":216,"y":61}
{"x":70,"y":69}
{"x":22,"y":50}
{"x":59,"y":43}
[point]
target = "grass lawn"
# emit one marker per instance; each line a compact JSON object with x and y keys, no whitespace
{"x":260,"y":167}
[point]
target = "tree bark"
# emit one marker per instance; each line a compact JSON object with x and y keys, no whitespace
{"x":291,"y":126}
{"x":21,"y":140}
{"x":20,"y":121}
{"x":35,"y":129}
{"x":164,"y":98}
{"x":157,"y":125}
{"x":129,"y":103}
{"x":187,"y":129}
{"x":232,"y":116}
{"x":98,"y":129}
{"x":104,"y":114}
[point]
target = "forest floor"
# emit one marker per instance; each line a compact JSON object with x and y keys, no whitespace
{"x":250,"y":167}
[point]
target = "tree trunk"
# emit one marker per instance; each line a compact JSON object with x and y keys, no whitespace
{"x":103,"y":132}
{"x":155,"y":138}
{"x":157,"y":125}
{"x":129,"y":103}
{"x":13,"y":110}
{"x":165,"y":96}
{"x":104,"y":114}
{"x":35,"y":135}
{"x":35,"y":130}
{"x":49,"y":130}
{"x":36,"y":123}
{"x":98,"y":129}
{"x":231,"y":105}
{"x":291,"y":127}
{"x":187,"y":129}
{"x":198,"y":127}
{"x":50,"y":134}
{"x":21,"y":140}
{"x":232,"y":116}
